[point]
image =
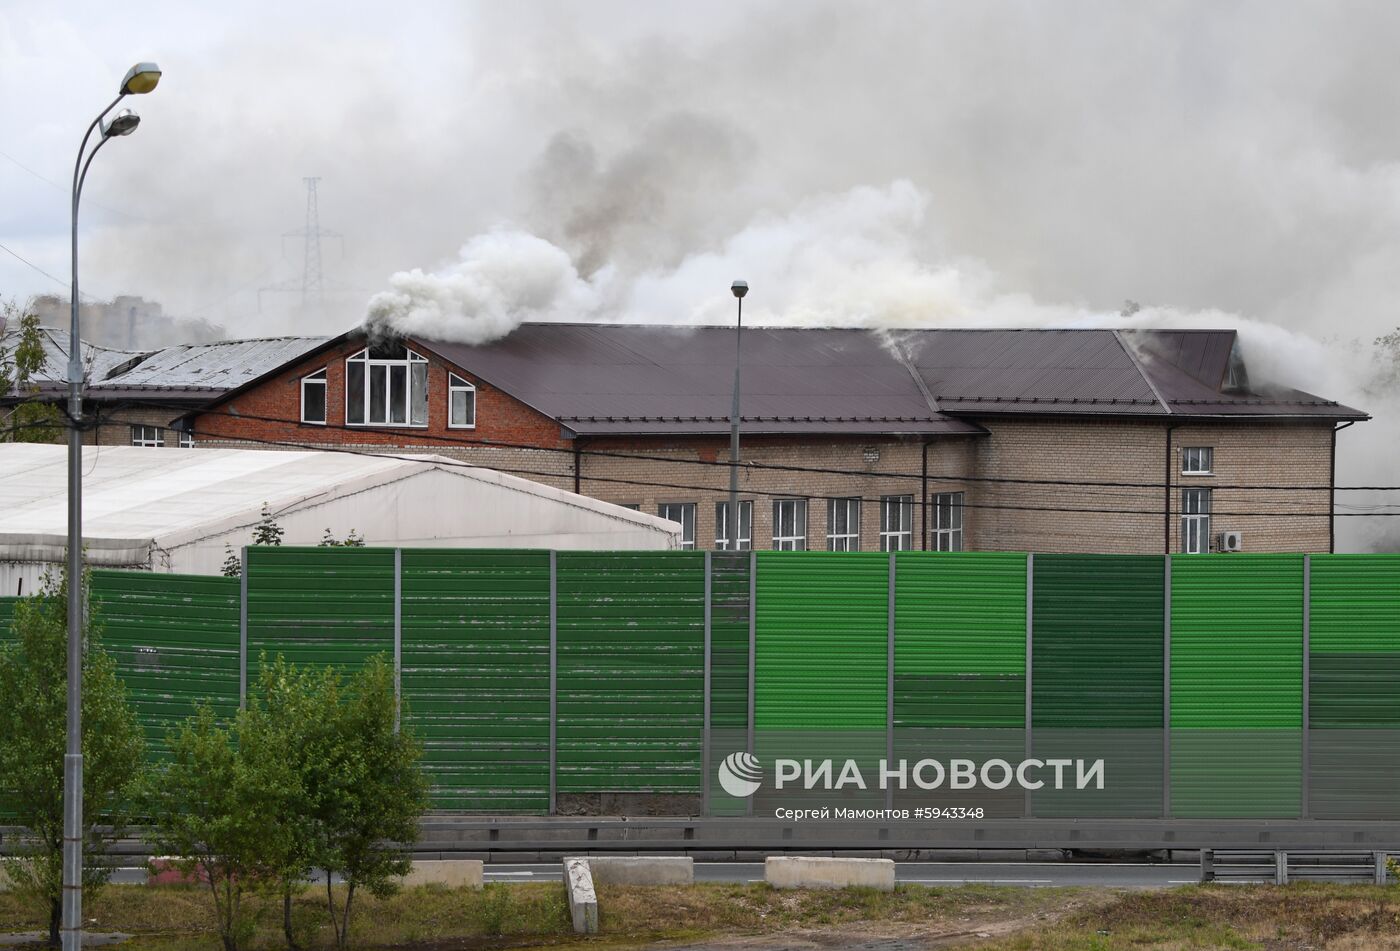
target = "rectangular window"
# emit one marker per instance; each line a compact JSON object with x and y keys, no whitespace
{"x":896,"y":522}
{"x":790,"y":525}
{"x":461,"y":403}
{"x":355,"y":393}
{"x":684,"y":514}
{"x":1195,"y":521}
{"x":634,"y":506}
{"x":1197,"y":460}
{"x":150,"y":437}
{"x":843,"y":525}
{"x":186,"y":440}
{"x":722,"y":526}
{"x":313,"y":398}
{"x":418,"y":400}
{"x":946,"y":518}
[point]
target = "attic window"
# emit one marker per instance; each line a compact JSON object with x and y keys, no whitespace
{"x":1236,"y":378}
{"x":313,"y":397}
{"x":386,"y":386}
{"x":461,"y":403}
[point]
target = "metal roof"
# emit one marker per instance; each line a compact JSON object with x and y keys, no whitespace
{"x":651,"y":379}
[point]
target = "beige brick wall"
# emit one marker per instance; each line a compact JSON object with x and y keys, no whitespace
{"x":1000,"y":515}
{"x":114,"y":427}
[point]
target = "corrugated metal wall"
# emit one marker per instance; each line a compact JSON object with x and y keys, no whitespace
{"x":1237,"y":685}
{"x":960,"y":639}
{"x":822,"y":640}
{"x":1354,"y":695}
{"x":631,"y":645}
{"x":475,"y":675}
{"x":320,"y":605}
{"x":175,"y":641}
{"x":1097,"y":680}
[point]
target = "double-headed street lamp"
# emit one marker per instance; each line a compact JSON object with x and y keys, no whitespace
{"x":140,"y":79}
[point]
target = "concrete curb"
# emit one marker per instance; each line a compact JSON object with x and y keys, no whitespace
{"x":642,"y":869}
{"x":454,"y":873}
{"x":809,"y":872}
{"x":583,"y":900}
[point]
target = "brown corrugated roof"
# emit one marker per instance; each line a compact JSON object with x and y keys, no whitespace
{"x":652,"y":379}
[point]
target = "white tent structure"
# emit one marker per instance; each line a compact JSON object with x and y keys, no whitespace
{"x":175,"y":510}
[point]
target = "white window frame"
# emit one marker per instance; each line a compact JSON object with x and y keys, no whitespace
{"x":745,"y":525}
{"x":316,"y":379}
{"x":455,"y":385}
{"x":949,"y":516}
{"x":1195,"y":521}
{"x":407,"y":364}
{"x":1198,"y":461}
{"x":849,"y":538}
{"x":686,"y":520}
{"x":794,"y":512}
{"x":147,"y":437}
{"x":186,"y":440}
{"x":896,"y":522}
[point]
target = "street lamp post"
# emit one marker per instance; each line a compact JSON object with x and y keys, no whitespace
{"x":739,"y":288}
{"x":140,"y":79}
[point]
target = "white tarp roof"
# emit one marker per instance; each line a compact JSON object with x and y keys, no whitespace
{"x":136,"y":499}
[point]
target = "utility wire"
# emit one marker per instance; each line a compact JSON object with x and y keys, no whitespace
{"x":780,"y":467}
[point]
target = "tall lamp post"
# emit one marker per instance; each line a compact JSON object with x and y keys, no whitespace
{"x":140,"y":79}
{"x":740,"y":288}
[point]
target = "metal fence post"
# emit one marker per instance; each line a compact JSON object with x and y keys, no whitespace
{"x":553,"y":676}
{"x":1304,"y":806}
{"x":753,"y":641}
{"x":705,"y":726}
{"x":1030,"y":664}
{"x":398,"y":637}
{"x":889,"y":686}
{"x":1167,"y":688}
{"x":243,"y":631}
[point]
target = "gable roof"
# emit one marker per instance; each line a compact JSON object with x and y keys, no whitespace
{"x":650,"y":379}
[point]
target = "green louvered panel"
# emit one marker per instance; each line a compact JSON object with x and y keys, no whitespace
{"x":729,"y":640}
{"x":1097,"y":678}
{"x":475,"y":675}
{"x":320,"y":605}
{"x":1236,"y":685}
{"x":175,"y":641}
{"x":1354,"y":694}
{"x":821,"y":640}
{"x":960,"y":639}
{"x":630,"y":690}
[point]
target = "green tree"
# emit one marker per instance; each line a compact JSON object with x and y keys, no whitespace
{"x":29,"y":419}
{"x":232,"y":567}
{"x":364,"y":791}
{"x":353,"y":540}
{"x":268,"y":532}
{"x":33,"y":739}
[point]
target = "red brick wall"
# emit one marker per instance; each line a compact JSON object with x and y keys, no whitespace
{"x":500,"y":418}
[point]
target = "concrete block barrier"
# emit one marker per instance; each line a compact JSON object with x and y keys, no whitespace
{"x":583,"y":900}
{"x":642,"y":869}
{"x":454,"y":873}
{"x":792,"y":871}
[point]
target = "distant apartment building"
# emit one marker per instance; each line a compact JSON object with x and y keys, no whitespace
{"x":1040,"y":440}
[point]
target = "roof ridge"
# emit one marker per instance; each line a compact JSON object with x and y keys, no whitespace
{"x":1142,"y":371}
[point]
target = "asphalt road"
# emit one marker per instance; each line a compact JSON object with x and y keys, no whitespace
{"x":1031,"y":874}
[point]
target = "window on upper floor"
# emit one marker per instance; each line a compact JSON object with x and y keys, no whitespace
{"x":682,"y":513}
{"x":186,"y":440}
{"x":461,"y":403}
{"x":946,"y":530}
{"x":1197,"y":460}
{"x":313,"y":397}
{"x":386,"y":385}
{"x":790,"y":525}
{"x":745,"y":541}
{"x":896,"y":522}
{"x":843,"y":524}
{"x":149,"y":437}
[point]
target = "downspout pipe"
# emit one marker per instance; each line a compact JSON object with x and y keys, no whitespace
{"x":1167,"y":495}
{"x":923,"y":501}
{"x":1332,"y":490}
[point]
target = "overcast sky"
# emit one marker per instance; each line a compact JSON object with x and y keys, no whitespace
{"x":852,"y":161}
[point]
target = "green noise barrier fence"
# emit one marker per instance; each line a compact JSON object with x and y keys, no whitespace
{"x":1217,"y":686}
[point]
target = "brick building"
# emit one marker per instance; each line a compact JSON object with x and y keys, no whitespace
{"x":1041,"y":440}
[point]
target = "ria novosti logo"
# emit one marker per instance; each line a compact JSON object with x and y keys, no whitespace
{"x":740,"y":774}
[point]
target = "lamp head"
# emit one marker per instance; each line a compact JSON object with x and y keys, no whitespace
{"x":123,"y":123}
{"x":140,"y":79}
{"x":740,"y":288}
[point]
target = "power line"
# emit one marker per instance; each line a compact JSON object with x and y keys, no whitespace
{"x":770,"y":493}
{"x":781,"y":467}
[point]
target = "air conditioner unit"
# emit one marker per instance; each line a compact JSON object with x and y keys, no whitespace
{"x":1229,"y":541}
